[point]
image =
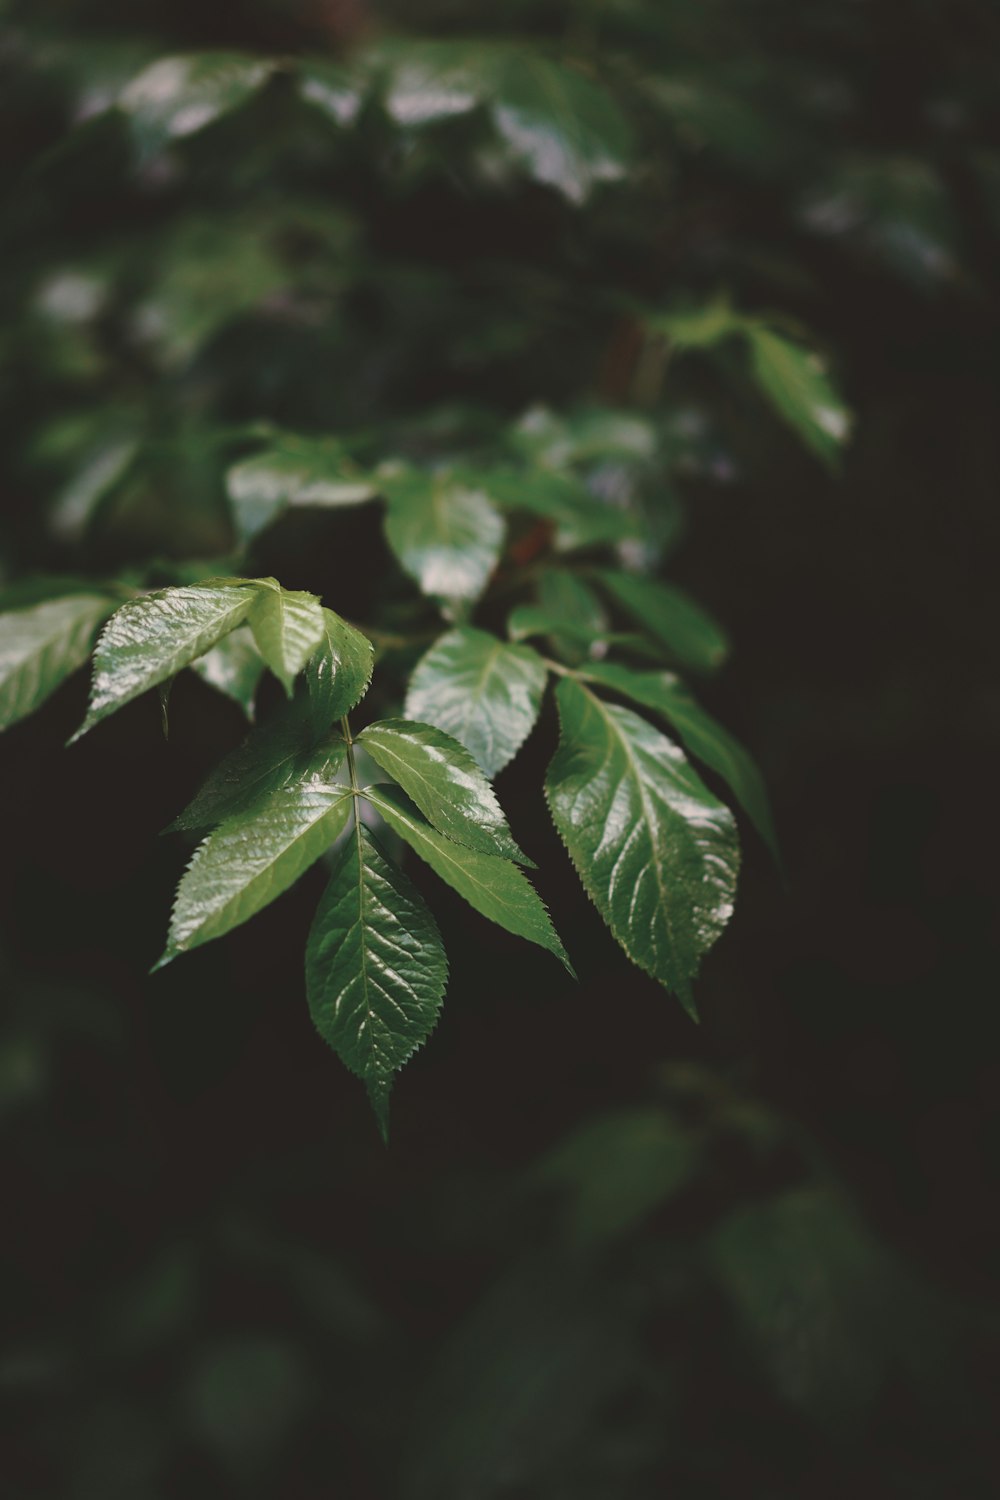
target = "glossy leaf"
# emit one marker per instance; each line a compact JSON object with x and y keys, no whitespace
{"x":41,"y":645}
{"x":151,"y":638}
{"x":656,"y":852}
{"x":484,"y":692}
{"x":375,"y":968}
{"x":566,"y":131}
{"x":494,"y":887}
{"x":702,"y":735}
{"x":294,"y":471}
{"x":444,"y":781}
{"x":271,"y":756}
{"x":429,"y":80}
{"x":252,"y":857}
{"x":338,"y":675}
{"x":333,"y":88}
{"x":177,"y":96}
{"x":233,"y":667}
{"x":446,"y":536}
{"x":288,"y":627}
{"x":795,"y":382}
{"x":689,"y":632}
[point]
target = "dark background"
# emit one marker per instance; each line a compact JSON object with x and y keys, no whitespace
{"x":218,"y":1281}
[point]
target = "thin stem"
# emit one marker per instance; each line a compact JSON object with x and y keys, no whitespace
{"x":352,"y":769}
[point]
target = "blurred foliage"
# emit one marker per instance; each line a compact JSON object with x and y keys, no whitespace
{"x":231,"y":232}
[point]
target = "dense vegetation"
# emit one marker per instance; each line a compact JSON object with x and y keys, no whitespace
{"x":451,"y":403}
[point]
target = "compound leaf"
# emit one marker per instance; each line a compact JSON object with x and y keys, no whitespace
{"x":288,"y":627}
{"x":444,"y":781}
{"x":703,"y":736}
{"x":657,"y":853}
{"x":40,"y":646}
{"x":252,"y":857}
{"x":484,"y":692}
{"x":689,"y":632}
{"x":495,"y":887}
{"x":375,"y":968}
{"x":151,"y":638}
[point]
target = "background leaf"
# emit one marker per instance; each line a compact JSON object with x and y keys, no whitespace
{"x":446,"y":536}
{"x":41,"y":645}
{"x":294,"y":471}
{"x":687,"y":630}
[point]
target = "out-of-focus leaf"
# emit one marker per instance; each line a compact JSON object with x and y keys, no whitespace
{"x":375,"y":968}
{"x":494,"y":886}
{"x":583,"y":437}
{"x":657,"y":853}
{"x":485,"y":692}
{"x":616,"y":1169}
{"x":233,"y":667}
{"x":795,"y":382}
{"x":702,"y":735}
{"x":41,"y":645}
{"x":578,"y":613}
{"x":293,"y":471}
{"x":177,"y":96}
{"x":688,"y":632}
{"x":444,"y":781}
{"x":446,"y":536}
{"x":244,"y":1397}
{"x":334,"y":88}
{"x":565,"y":130}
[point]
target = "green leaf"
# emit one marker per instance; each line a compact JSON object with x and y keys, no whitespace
{"x":429,"y":81}
{"x":256,"y":855}
{"x":581,"y":518}
{"x":795,"y":382}
{"x":176,"y":96}
{"x":288,"y":628}
{"x":270,"y":757}
{"x":375,"y":968}
{"x":577,"y":613}
{"x":699,"y":327}
{"x":594,"y":434}
{"x":294,"y":471}
{"x":233,"y":667}
{"x":496,"y":888}
{"x":702,"y":735}
{"x":336,"y":90}
{"x":485,"y":693}
{"x":689,"y":632}
{"x":656,"y":852}
{"x":339,"y":673}
{"x":566,"y":131}
{"x":444,"y":781}
{"x":446,"y":536}
{"x":40,"y":647}
{"x":151,"y":638}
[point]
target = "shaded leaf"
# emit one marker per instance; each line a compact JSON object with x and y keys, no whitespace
{"x":233,"y":667}
{"x":689,"y":632}
{"x":41,"y":645}
{"x":151,"y":638}
{"x":444,"y":781}
{"x":495,"y":887}
{"x":578,"y":615}
{"x":484,"y":692}
{"x":288,"y":627}
{"x":256,"y":855}
{"x":375,"y":968}
{"x":795,"y":382}
{"x":702,"y":735}
{"x":656,"y":852}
